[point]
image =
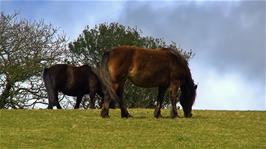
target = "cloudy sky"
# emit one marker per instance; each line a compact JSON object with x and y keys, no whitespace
{"x":228,"y":38}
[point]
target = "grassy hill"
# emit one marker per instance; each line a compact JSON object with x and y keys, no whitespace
{"x":86,"y":129}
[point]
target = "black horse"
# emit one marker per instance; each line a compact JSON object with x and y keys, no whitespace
{"x":71,"y":81}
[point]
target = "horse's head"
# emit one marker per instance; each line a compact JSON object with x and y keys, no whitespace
{"x":187,"y":98}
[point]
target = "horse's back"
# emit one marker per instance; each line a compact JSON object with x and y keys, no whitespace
{"x":142,"y":58}
{"x":130,"y":53}
{"x":69,"y":79}
{"x":144,"y":67}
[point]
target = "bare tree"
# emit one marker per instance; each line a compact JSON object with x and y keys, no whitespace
{"x":26,"y":47}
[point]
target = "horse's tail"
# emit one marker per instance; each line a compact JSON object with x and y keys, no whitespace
{"x":105,"y":76}
{"x":48,"y":83}
{"x":104,"y":88}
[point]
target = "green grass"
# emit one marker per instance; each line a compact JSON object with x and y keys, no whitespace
{"x":86,"y":129}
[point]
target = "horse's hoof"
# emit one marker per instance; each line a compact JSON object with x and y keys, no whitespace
{"x":104,"y":114}
{"x":188,"y":115}
{"x":126,"y":115}
{"x":174,"y":115}
{"x":157,"y":113}
{"x":158,"y":116}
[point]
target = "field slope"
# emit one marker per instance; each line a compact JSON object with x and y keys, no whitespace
{"x":86,"y":129}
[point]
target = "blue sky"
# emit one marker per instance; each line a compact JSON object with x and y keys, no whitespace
{"x":228,"y":38}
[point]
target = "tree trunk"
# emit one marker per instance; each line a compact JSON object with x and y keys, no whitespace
{"x":5,"y":94}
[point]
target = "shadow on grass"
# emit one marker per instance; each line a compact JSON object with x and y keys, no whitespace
{"x":139,"y":117}
{"x":168,"y":117}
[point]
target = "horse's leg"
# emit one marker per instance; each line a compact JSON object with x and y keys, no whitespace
{"x":57,"y":101}
{"x":79,"y":99}
{"x":51,"y":98}
{"x":105,"y":103}
{"x":50,"y":102}
{"x":123,"y":108}
{"x":112,"y":102}
{"x":50,"y":105}
{"x":92,"y":100}
{"x":101,"y":94}
{"x":161,"y":92}
{"x":174,"y":88}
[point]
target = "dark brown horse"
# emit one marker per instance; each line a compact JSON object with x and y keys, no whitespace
{"x":71,"y":81}
{"x":163,"y":68}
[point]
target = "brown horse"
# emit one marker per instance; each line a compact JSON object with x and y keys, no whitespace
{"x":163,"y":68}
{"x":72,"y":81}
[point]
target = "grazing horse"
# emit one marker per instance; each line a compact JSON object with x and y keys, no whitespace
{"x":71,"y":81}
{"x":163,"y":68}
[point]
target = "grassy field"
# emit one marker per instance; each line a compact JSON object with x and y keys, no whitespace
{"x":86,"y":129}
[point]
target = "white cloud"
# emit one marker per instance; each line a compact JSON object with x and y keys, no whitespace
{"x":227,"y":92}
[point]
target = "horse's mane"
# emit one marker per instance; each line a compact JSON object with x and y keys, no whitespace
{"x":177,"y":54}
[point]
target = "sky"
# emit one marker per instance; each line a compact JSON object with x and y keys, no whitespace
{"x":227,"y":37}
